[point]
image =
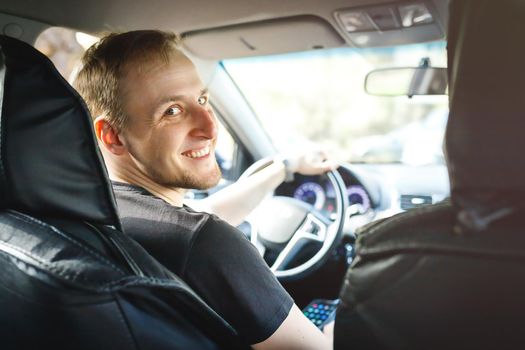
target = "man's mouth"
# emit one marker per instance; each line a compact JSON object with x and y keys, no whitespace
{"x":197,"y":153}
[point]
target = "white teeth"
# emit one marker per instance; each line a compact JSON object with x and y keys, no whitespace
{"x":199,"y":153}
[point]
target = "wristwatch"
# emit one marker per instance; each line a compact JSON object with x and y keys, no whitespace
{"x":289,"y":175}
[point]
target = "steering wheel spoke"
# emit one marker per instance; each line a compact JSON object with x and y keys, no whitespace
{"x":294,"y":224}
{"x":311,"y":230}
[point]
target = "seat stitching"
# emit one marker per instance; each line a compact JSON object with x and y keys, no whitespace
{"x":2,"y":92}
{"x":144,"y":281}
{"x":29,"y":219}
{"x":51,"y":267}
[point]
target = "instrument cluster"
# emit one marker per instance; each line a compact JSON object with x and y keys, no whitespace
{"x":319,"y":192}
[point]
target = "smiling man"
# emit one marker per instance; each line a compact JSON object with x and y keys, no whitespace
{"x":157,"y":133}
{"x":165,"y":132}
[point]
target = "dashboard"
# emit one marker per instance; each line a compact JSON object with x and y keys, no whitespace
{"x":373,"y":191}
{"x":318,"y":191}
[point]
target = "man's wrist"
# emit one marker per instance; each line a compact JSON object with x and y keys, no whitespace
{"x":288,"y":172}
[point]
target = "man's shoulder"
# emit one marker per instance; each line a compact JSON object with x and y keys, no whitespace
{"x":141,"y":210}
{"x":223,"y":244}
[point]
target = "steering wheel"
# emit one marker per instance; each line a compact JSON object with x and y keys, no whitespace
{"x":287,"y":225}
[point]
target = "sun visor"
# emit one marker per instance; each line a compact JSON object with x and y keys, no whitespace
{"x":50,"y":164}
{"x":290,"y":34}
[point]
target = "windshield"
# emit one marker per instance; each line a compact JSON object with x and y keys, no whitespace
{"x":318,"y":97}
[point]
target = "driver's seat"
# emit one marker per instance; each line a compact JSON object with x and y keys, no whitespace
{"x":452,"y":275}
{"x":69,"y":279}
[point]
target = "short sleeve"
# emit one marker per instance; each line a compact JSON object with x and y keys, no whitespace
{"x":226,"y":270}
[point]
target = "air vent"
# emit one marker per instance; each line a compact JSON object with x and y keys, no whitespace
{"x":409,"y":201}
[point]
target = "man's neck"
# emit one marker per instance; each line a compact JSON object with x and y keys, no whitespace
{"x":172,"y":195}
{"x":122,"y":169}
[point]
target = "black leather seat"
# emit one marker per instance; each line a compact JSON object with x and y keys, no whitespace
{"x":452,"y":275}
{"x":68,"y":277}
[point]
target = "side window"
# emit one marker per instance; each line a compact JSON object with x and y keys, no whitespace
{"x":225,"y":151}
{"x":231,"y":155}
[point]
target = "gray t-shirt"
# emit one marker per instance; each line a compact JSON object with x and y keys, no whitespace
{"x":213,"y":257}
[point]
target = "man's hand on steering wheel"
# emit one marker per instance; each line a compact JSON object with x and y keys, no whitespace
{"x":310,"y":163}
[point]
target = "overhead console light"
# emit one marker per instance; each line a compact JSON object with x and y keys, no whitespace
{"x":393,"y":23}
{"x":356,"y":21}
{"x":369,"y":19}
{"x":414,"y":14}
{"x":385,"y":17}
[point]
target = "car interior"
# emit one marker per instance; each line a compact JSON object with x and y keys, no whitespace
{"x":404,"y":76}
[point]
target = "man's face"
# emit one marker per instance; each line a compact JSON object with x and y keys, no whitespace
{"x":171,"y":130}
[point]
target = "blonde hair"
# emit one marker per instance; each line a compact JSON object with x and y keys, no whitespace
{"x":105,"y":65}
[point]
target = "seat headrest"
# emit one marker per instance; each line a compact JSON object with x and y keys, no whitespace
{"x":50,"y":164}
{"x":485,"y":137}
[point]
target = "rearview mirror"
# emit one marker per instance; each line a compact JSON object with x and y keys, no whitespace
{"x":407,"y":81}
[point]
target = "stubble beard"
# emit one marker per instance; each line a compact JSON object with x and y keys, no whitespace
{"x":187,"y":179}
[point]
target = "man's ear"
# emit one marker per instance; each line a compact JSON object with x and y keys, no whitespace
{"x":108,"y":136}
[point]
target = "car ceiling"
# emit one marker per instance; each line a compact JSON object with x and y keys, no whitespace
{"x":226,"y":28}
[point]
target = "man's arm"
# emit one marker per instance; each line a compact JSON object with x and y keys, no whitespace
{"x":296,"y":332}
{"x":235,"y":202}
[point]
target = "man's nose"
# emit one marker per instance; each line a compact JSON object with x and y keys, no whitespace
{"x":205,"y":122}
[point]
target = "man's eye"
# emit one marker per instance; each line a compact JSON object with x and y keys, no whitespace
{"x":202,"y":100}
{"x":173,"y":110}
